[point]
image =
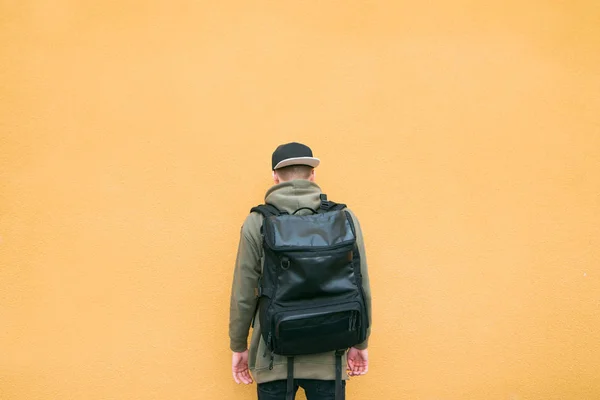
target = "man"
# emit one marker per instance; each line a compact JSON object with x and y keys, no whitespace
{"x":294,"y":176}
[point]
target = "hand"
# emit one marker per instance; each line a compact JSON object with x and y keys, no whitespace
{"x":239,"y":368}
{"x":358,"y":361}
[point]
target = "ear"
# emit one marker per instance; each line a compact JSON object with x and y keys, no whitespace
{"x":312,"y":175}
{"x":276,"y":178}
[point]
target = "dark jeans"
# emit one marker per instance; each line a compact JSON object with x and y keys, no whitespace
{"x":314,"y":389}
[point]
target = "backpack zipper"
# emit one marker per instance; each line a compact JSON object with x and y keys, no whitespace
{"x":312,"y":249}
{"x":269,"y":340}
{"x":271,"y":362}
{"x":352,"y":320}
{"x":269,"y":337}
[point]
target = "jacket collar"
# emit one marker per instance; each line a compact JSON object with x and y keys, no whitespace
{"x":290,"y":196}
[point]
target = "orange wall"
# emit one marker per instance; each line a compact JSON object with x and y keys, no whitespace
{"x":466,"y":137}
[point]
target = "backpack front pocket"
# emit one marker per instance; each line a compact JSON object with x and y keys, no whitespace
{"x":317,"y":330}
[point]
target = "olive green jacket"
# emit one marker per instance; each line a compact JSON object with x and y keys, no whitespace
{"x":287,"y":196}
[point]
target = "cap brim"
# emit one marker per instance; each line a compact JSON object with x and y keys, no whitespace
{"x":310,"y":161}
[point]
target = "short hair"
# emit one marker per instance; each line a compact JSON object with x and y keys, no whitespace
{"x":294,"y":172}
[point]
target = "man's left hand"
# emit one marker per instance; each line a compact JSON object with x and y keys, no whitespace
{"x":239,"y":368}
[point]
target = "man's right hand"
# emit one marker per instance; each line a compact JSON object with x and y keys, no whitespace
{"x":358,"y":361}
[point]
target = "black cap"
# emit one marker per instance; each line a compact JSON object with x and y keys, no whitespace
{"x":293,"y":154}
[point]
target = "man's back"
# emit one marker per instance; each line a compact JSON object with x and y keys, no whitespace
{"x":287,"y":196}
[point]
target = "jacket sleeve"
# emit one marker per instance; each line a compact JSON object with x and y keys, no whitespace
{"x":245,"y":279}
{"x":365,"y":278}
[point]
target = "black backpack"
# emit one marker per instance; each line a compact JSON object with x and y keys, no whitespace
{"x":311,"y":294}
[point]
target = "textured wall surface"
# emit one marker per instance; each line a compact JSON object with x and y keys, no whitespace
{"x":135,"y":136}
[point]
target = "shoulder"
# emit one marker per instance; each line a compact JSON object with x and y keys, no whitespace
{"x":359,"y":232}
{"x":352,"y":214}
{"x":251,"y":226}
{"x":250,"y":236}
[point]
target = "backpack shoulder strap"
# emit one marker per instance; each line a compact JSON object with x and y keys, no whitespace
{"x":327,"y":205}
{"x":267,"y":210}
